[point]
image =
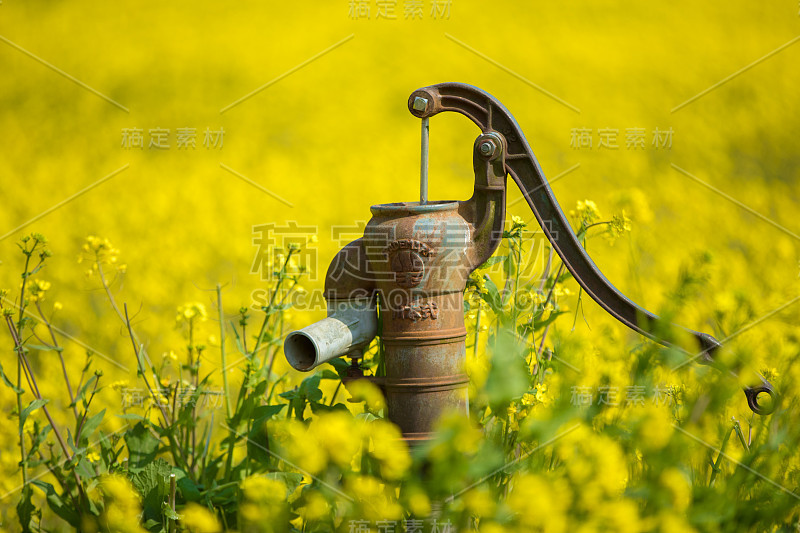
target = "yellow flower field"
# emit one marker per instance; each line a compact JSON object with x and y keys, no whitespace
{"x":161,"y":158}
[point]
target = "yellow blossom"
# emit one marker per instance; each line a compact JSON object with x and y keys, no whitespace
{"x":36,"y":289}
{"x":264,"y":507}
{"x":363,"y":390}
{"x":316,"y":506}
{"x":587,"y":211}
{"x":618,"y":226}
{"x":480,"y":502}
{"x":419,"y":503}
{"x":122,"y":505}
{"x":190,"y":312}
{"x":390,"y":450}
{"x":300,"y":446}
{"x":679,"y":486}
{"x":340,"y":434}
{"x":554,"y":496}
{"x":120,"y":384}
{"x":376,"y":503}
{"x":654,"y":427}
{"x":100,"y":251}
{"x":198,"y":519}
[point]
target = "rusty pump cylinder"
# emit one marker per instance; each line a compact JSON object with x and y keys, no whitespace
{"x":417,"y":257}
{"x":414,"y":260}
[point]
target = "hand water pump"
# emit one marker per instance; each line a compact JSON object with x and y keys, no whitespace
{"x":417,"y":256}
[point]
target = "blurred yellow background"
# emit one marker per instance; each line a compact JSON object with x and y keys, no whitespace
{"x":334,"y":137}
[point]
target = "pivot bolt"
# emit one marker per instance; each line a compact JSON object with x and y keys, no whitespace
{"x":420,"y":103}
{"x":487,"y":148}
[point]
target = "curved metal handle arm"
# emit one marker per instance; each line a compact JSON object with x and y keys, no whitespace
{"x":491,"y":116}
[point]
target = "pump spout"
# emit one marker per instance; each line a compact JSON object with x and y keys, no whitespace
{"x":350,"y":325}
{"x":352,"y":320}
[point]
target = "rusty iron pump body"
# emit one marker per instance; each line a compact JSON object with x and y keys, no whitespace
{"x":415,"y":258}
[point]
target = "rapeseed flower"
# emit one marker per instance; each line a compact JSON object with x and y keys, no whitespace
{"x":198,"y":519}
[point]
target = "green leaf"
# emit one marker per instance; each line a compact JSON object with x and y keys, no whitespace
{"x":492,"y":261}
{"x":152,"y":482}
{"x":510,"y":267}
{"x":508,"y":377}
{"x":8,"y":382}
{"x":187,"y":487}
{"x":131,"y":416}
{"x":252,"y":400}
{"x":328,"y":374}
{"x":340,"y":366}
{"x":33,"y":406}
{"x":539,"y":324}
{"x":38,"y":439}
{"x":564,"y":277}
{"x":257,"y":438}
{"x":492,"y":296}
{"x":142,"y":446}
{"x":81,"y":396}
{"x":267,"y":411}
{"x":89,"y":427}
{"x":169,"y":512}
{"x":318,"y":408}
{"x":26,"y":509}
{"x":308,"y":391}
{"x":258,"y":442}
{"x":66,"y":511}
{"x":154,"y":525}
{"x":43,"y":348}
{"x":292,"y":480}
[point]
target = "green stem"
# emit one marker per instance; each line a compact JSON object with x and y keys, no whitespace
{"x":23,"y":460}
{"x":60,"y":357}
{"x":173,"y":444}
{"x":335,"y":392}
{"x":22,"y":290}
{"x":477,"y":330}
{"x":267,"y":311}
{"x":715,"y":465}
{"x":172,"y":490}
{"x":35,"y":391}
{"x":233,"y":434}
{"x":228,"y":410}
{"x":195,"y":370}
{"x":79,"y":430}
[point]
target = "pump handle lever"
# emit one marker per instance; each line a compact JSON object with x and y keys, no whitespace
{"x":491,"y":116}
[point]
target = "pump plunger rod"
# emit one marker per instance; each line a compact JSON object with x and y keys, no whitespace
{"x":420,"y":104}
